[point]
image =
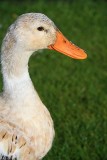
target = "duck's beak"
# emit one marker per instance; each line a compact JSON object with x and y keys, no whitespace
{"x":66,"y":47}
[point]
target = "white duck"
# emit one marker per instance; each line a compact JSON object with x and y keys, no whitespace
{"x":26,"y":127}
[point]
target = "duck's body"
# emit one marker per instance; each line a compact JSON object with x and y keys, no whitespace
{"x":24,"y":117}
{"x":26,"y":127}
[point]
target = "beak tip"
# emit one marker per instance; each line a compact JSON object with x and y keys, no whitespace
{"x":85,"y":56}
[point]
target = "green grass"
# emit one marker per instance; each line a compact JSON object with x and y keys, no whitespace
{"x":74,"y":91}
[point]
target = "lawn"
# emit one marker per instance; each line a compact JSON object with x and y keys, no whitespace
{"x":74,"y":91}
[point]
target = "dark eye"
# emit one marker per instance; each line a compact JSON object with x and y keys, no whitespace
{"x":40,"y":28}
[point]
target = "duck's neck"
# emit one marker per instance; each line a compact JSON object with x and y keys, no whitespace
{"x":16,"y":79}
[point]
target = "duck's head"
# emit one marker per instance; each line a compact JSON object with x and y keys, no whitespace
{"x":34,"y":31}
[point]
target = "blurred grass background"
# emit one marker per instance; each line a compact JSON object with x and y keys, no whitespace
{"x":74,"y":91}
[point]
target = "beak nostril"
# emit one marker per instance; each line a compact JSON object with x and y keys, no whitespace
{"x":64,"y":41}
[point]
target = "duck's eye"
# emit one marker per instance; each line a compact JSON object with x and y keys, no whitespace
{"x":40,"y":28}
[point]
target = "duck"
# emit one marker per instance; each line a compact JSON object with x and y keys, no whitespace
{"x":26,"y":126}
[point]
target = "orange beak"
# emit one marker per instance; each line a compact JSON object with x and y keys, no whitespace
{"x":66,"y":47}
